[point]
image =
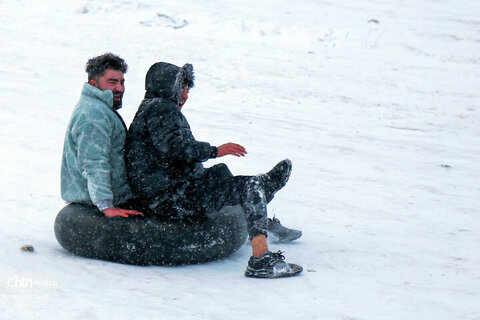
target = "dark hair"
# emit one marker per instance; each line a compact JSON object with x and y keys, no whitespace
{"x":96,"y":66}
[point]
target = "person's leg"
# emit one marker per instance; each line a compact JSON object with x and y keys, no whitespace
{"x":276,"y":178}
{"x":263,"y":263}
{"x":210,"y":194}
{"x":272,"y":181}
{"x":255,"y":207}
{"x":259,"y":245}
{"x":218,"y":188}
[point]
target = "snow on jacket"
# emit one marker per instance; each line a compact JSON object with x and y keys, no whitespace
{"x":161,"y":150}
{"x":93,"y":165}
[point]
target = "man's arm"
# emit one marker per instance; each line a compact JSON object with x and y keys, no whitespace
{"x":172,"y":137}
{"x":93,"y":150}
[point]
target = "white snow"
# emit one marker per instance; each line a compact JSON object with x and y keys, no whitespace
{"x":376,"y":103}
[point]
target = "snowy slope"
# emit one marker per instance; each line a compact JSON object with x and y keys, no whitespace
{"x":376,"y":103}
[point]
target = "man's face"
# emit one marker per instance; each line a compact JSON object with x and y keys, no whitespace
{"x":183,"y":96}
{"x":112,"y":80}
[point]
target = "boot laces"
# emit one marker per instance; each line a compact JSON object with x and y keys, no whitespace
{"x":278,"y":255}
{"x":275,"y":220}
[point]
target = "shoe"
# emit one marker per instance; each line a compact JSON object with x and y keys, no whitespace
{"x":271,"y":265}
{"x":280,"y":233}
{"x":276,"y":178}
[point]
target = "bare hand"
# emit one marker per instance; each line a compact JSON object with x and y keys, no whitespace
{"x":231,"y":148}
{"x":117,"y":212}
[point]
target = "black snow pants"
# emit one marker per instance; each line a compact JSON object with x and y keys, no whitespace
{"x":215,"y":189}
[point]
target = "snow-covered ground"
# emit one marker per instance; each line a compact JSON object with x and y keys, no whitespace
{"x":377,"y":103}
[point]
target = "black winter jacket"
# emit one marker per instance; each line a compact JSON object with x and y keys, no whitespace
{"x":161,"y":152}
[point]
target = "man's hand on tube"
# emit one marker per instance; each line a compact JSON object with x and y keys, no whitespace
{"x":117,"y":212}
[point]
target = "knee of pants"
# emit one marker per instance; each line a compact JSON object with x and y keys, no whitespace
{"x":255,"y":190}
{"x":222,"y":170}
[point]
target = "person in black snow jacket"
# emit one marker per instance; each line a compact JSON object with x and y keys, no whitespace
{"x":164,"y":167}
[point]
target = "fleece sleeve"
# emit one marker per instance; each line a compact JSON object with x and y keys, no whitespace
{"x":93,"y":150}
{"x":171,"y":136}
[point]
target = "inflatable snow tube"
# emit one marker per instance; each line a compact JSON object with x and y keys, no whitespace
{"x":83,"y":230}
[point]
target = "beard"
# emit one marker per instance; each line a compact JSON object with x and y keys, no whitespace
{"x":117,"y":103}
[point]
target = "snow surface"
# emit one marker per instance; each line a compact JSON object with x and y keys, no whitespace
{"x":376,"y":103}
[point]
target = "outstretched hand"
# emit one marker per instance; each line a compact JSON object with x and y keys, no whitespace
{"x":231,"y":148}
{"x":117,"y":212}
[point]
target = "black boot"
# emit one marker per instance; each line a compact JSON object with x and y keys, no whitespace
{"x":276,"y":178}
{"x":271,"y":265}
{"x":279,"y":233}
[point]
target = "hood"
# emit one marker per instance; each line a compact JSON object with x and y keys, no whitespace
{"x":164,"y":80}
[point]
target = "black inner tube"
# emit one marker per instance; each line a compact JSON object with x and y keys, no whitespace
{"x":83,"y":230}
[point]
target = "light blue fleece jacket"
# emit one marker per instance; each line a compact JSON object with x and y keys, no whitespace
{"x":93,"y":166}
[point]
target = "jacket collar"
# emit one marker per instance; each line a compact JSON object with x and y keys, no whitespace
{"x":106,"y":96}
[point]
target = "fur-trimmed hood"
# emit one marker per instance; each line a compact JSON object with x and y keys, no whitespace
{"x":165,"y":80}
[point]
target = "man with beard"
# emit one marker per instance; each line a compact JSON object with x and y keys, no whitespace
{"x":93,"y":166}
{"x":164,"y":163}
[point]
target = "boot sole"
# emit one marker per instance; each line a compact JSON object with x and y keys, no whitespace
{"x":296,"y":269}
